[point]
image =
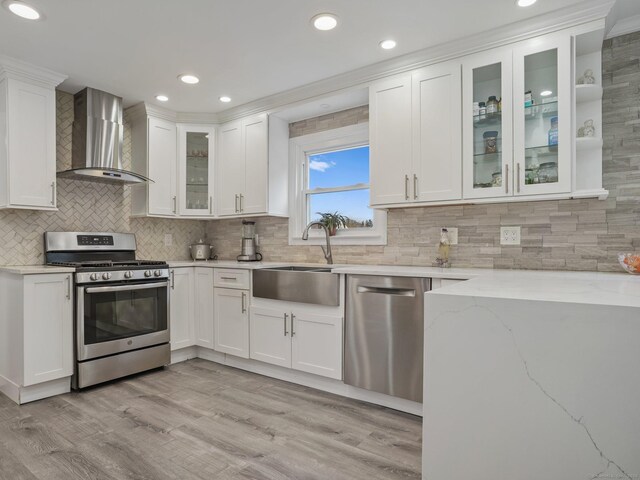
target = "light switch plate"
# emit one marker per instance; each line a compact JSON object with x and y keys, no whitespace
{"x":452,"y":232}
{"x":509,"y":235}
{"x":168,"y":239}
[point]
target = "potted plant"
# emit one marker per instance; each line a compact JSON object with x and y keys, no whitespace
{"x":333,"y":221}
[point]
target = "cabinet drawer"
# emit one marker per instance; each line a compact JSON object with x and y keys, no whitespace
{"x":231,"y":278}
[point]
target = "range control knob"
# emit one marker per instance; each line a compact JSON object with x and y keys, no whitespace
{"x":128,"y":274}
{"x":93,"y":277}
{"x":147,"y":273}
{"x":157,"y":273}
{"x":106,"y":276}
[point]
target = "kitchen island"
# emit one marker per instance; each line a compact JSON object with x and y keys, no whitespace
{"x":533,"y":375}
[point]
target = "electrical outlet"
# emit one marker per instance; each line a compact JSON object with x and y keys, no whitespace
{"x":509,"y":235}
{"x":452,"y":233}
{"x":168,"y":239}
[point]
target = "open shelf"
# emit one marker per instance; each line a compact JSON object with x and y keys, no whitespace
{"x":588,"y":93}
{"x":588,"y":143}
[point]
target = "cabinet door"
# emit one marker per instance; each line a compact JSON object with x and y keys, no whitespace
{"x":204,"y":307}
{"x":162,"y":167}
{"x":542,"y":116}
{"x":196,"y":147}
{"x":316,"y":344}
{"x":231,"y":169}
{"x":487,"y":136}
{"x":48,"y":328}
{"x":437,"y":133}
{"x":255,"y":133}
{"x":31,"y":145}
{"x":231,"y":321}
{"x":181,"y":303}
{"x":270,"y":336}
{"x":390,"y":141}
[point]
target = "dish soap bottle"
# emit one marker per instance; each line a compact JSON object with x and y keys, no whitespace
{"x":443,"y":249}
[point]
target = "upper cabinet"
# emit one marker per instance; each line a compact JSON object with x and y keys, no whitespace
{"x":252,"y":167}
{"x":415,"y":137}
{"x":27,"y":136}
{"x":517,"y":120}
{"x":196,"y":147}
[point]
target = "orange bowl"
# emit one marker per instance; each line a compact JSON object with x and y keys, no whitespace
{"x":630,"y":262}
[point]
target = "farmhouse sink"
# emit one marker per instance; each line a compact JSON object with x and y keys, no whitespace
{"x":315,"y":285}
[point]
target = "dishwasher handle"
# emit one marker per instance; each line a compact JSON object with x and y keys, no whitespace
{"x":398,"y":292}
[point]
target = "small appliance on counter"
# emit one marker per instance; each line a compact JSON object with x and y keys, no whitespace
{"x":248,"y":252}
{"x":201,"y":251}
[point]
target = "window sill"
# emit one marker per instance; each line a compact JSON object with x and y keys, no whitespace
{"x":352,"y":239}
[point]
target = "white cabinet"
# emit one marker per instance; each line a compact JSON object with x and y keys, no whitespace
{"x":252,"y":168}
{"x":231,"y":321}
{"x":524,"y":146}
{"x":302,"y":337}
{"x":181,"y":308}
{"x":36,"y":335}
{"x":196,"y":147}
{"x":154,"y":155}
{"x":27,"y":136}
{"x":204,"y":307}
{"x":415,"y":137}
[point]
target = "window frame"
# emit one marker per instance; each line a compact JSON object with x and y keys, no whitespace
{"x":300,"y":148}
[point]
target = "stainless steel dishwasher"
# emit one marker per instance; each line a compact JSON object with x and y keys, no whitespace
{"x":384,"y":334}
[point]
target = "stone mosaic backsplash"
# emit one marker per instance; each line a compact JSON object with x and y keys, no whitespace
{"x":557,"y":235}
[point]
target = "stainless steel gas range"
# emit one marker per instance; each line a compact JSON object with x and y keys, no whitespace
{"x":122,"y":305}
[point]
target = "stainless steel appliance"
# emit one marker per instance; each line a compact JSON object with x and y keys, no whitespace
{"x":122,"y":305}
{"x":249,"y":251}
{"x":98,"y":132}
{"x":201,"y":251}
{"x":384,"y":334}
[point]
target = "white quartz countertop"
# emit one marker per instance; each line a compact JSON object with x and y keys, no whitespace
{"x":592,"y":288}
{"x":410,"y":271}
{"x":34,"y":269}
{"x":225,"y":264}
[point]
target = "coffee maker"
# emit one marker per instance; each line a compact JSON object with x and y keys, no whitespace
{"x":248,"y":253}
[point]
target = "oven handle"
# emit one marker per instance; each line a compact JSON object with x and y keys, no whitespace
{"x":126,"y":288}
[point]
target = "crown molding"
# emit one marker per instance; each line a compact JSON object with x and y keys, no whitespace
{"x":19,"y":70}
{"x":572,"y":16}
{"x":625,"y":26}
{"x":198,"y":118}
{"x":147,"y":110}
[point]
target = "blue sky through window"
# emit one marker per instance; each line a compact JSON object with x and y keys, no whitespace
{"x":336,"y":169}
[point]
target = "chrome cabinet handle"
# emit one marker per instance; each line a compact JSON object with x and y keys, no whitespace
{"x":406,"y":187}
{"x":53,"y":193}
{"x":210,"y":205}
{"x":68,"y":288}
{"x":236,"y":203}
{"x":241,"y":199}
{"x":244,"y":302}
{"x":293,"y":317}
{"x":415,"y":186}
{"x":175,"y":204}
{"x":228,"y":278}
{"x":173,"y":279}
{"x":518,"y":176}
{"x":506,"y":178}
{"x":286,"y":317}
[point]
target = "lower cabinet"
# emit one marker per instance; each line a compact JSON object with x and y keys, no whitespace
{"x":204,"y":307}
{"x":181,"y":306}
{"x":295,"y":336}
{"x":231,"y":321}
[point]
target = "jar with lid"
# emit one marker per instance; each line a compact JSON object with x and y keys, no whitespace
{"x":476,"y":111}
{"x":553,"y":134}
{"x":490,"y":141}
{"x":492,"y":106}
{"x":482,"y":113}
{"x":548,"y":172}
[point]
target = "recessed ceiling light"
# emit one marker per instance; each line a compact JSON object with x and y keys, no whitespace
{"x":162,"y":98}
{"x":526,"y":3}
{"x":546,"y":93}
{"x":225,"y":99}
{"x":325,"y":21}
{"x":388,"y":44}
{"x":22,"y":9}
{"x":190,"y":79}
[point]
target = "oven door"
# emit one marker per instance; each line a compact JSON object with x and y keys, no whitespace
{"x":117,"y":318}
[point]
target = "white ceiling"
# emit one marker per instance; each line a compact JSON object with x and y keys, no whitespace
{"x":247,"y":49}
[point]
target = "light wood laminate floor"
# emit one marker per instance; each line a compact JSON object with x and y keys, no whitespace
{"x":202,"y":420}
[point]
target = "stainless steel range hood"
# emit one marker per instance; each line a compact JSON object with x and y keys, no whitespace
{"x":98,"y":133}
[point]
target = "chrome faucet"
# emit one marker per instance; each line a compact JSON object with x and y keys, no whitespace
{"x":327,"y":251}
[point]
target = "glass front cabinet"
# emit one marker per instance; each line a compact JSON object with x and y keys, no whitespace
{"x":517,"y":120}
{"x":196,"y":170}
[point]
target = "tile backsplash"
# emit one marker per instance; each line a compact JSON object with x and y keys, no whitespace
{"x":559,"y":235}
{"x":84,"y":206}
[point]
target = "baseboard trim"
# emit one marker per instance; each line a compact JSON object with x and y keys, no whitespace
{"x":22,"y":395}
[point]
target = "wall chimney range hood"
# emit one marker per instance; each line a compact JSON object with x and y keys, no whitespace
{"x":98,"y":132}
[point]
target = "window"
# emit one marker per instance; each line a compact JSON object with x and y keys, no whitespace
{"x":330,"y":174}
